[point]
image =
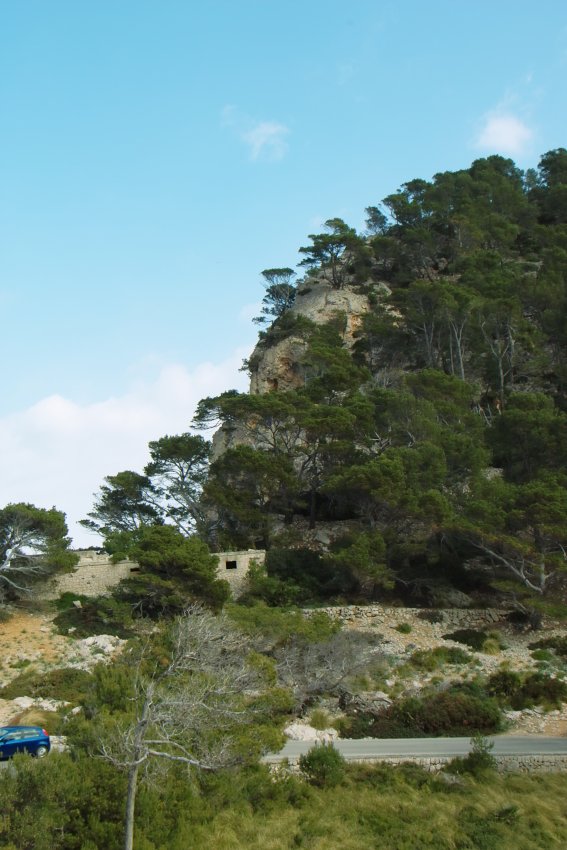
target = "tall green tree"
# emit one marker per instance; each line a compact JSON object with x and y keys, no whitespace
{"x":177,"y":472}
{"x":329,"y":251}
{"x":33,"y":544}
{"x":125,"y":503}
{"x":280,"y":294}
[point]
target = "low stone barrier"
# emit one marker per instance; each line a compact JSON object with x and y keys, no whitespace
{"x":376,"y":615}
{"x":433,"y":764}
{"x":504,"y":764}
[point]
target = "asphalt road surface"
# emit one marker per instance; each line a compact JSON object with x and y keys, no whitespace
{"x":375,"y":748}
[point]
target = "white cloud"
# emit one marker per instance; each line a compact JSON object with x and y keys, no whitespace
{"x":57,"y":452}
{"x":266,"y":140}
{"x":503,"y":132}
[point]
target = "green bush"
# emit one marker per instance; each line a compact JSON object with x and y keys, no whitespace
{"x":404,"y":628}
{"x":319,"y":719}
{"x":520,"y":692}
{"x":66,"y":684}
{"x":275,"y":626}
{"x":542,"y":655}
{"x":470,"y":637}
{"x":96,"y":616}
{"x":558,"y":644}
{"x":491,"y":646}
{"x":323,"y":765}
{"x":432,"y":659}
{"x":503,"y":684}
{"x":540,"y":689}
{"x":478,"y":761}
{"x":454,"y":712}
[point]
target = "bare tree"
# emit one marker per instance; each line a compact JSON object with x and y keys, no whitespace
{"x":185,"y":711}
{"x":312,"y":669}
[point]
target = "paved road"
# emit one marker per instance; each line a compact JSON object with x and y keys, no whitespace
{"x":369,"y":748}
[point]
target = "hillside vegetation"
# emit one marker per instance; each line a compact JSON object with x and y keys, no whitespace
{"x":415,"y":444}
{"x":433,"y":438}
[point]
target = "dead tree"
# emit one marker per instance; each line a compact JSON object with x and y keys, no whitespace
{"x":185,"y":711}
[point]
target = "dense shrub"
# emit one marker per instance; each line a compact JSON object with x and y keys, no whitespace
{"x":520,"y":692}
{"x":275,"y":626}
{"x":503,"y":684}
{"x":323,"y":765}
{"x":558,"y":644}
{"x":66,"y":684}
{"x":453,"y":712}
{"x":540,"y":689}
{"x":311,"y":577}
{"x":470,"y":637}
{"x":524,"y":620}
{"x":96,"y":616}
{"x":432,"y":659}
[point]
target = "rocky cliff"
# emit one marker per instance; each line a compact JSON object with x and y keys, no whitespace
{"x":278,"y":366}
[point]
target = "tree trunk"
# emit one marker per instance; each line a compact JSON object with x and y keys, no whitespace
{"x":130,"y":807}
{"x":312,"y":509}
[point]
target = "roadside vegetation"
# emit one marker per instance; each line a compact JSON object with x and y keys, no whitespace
{"x":69,"y":802}
{"x":435,"y":447}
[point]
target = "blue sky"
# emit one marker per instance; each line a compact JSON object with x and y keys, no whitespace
{"x":157,"y":156}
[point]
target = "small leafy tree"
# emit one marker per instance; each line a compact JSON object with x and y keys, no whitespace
{"x":323,"y":765}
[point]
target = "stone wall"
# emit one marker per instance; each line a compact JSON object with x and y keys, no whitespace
{"x":95,"y":573}
{"x":361,"y":616}
{"x":234,"y":566}
{"x":433,"y":764}
{"x":504,"y":764}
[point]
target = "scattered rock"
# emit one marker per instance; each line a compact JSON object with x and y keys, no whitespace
{"x":299,"y":731}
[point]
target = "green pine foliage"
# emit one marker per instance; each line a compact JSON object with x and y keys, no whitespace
{"x":442,"y":433}
{"x":437,"y":439}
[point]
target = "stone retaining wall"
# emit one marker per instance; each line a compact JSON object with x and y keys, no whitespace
{"x":433,"y":764}
{"x":371,"y":616}
{"x":505,"y":764}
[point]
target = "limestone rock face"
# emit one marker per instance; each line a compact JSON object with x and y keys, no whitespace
{"x":278,"y":367}
{"x":319,"y":301}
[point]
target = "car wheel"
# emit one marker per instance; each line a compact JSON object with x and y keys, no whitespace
{"x":41,"y":752}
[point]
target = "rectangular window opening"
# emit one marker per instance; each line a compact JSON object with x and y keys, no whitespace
{"x":231,"y":565}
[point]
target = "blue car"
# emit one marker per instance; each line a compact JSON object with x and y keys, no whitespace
{"x":23,"y":739}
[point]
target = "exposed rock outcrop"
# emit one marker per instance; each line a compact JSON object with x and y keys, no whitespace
{"x":278,"y":366}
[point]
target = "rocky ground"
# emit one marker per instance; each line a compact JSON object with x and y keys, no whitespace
{"x":29,"y":642}
{"x":402,"y":632}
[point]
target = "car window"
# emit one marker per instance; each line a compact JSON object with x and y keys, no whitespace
{"x":31,"y":734}
{"x":13,"y":736}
